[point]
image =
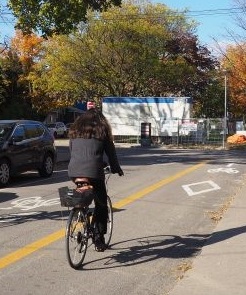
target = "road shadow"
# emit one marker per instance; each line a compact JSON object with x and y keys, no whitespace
{"x":223,"y":235}
{"x":6,"y":196}
{"x":10,"y":219}
{"x":13,"y":219}
{"x":32,"y":179}
{"x":146,"y":249}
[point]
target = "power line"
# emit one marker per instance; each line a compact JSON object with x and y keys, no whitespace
{"x":189,"y":13}
{"x":225,"y":11}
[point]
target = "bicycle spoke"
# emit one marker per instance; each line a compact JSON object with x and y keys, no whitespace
{"x":76,"y":239}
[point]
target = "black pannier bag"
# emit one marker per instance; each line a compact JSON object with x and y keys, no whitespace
{"x":76,"y":197}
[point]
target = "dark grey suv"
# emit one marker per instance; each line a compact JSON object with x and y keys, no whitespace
{"x":25,"y":145}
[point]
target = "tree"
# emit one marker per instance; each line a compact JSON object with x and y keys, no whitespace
{"x":133,"y":50}
{"x":234,"y":62}
{"x":28,"y":49}
{"x":54,"y":16}
{"x":2,"y":84}
{"x":15,"y":65}
{"x":211,"y":102}
{"x":13,"y":105}
{"x":240,"y":19}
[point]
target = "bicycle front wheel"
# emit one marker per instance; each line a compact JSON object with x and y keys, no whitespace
{"x":109,"y":233}
{"x":76,"y":238}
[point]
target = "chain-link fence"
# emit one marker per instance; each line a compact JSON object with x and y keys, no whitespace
{"x":175,"y":132}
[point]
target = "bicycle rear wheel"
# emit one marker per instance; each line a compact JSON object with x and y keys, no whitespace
{"x":76,"y":238}
{"x":109,"y":233}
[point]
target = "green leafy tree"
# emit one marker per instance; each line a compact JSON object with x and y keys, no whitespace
{"x":211,"y":102}
{"x":12,"y":103}
{"x":14,"y":92}
{"x":128,"y":51}
{"x":54,"y":16}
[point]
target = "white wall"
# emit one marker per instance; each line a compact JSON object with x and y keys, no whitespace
{"x":126,"y":114}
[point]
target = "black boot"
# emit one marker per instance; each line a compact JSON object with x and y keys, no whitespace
{"x":99,"y":241}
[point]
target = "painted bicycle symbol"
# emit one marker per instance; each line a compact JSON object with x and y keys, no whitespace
{"x":228,"y":170}
{"x":32,"y":202}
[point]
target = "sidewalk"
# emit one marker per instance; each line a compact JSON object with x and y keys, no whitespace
{"x":220,"y":269}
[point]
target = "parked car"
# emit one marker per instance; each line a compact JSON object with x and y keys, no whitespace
{"x":57,"y":129}
{"x":25,"y":145}
{"x":68,"y":125}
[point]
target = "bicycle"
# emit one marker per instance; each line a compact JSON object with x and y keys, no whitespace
{"x":80,"y":226}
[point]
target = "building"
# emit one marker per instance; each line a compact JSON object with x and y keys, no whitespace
{"x":66,"y":115}
{"x":129,"y":116}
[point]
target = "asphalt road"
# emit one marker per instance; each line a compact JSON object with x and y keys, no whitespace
{"x":165,"y":207}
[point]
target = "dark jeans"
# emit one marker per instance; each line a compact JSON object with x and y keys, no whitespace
{"x":101,"y":209}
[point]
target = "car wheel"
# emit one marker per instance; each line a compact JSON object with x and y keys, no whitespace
{"x":47,"y":167}
{"x":4,"y":172}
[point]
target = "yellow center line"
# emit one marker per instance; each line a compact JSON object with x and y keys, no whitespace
{"x":155,"y":186}
{"x":30,"y":248}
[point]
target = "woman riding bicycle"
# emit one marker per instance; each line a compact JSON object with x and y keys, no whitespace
{"x":91,"y":137}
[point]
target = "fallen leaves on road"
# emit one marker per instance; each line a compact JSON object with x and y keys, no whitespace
{"x":217,"y":215}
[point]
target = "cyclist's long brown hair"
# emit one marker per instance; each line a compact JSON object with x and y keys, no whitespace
{"x":91,"y":124}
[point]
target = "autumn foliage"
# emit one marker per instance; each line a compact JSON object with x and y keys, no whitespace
{"x":235,"y":64}
{"x":236,"y":139}
{"x":27,"y":47}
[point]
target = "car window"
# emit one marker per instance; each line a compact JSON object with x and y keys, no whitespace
{"x":5,"y":130}
{"x":19,"y":133}
{"x":32,"y":131}
{"x":40,"y":130}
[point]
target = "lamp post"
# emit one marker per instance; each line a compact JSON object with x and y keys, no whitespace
{"x":225,"y":111}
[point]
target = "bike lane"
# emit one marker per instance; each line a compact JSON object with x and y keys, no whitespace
{"x":35,"y":246}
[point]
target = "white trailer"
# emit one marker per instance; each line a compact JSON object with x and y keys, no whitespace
{"x":127,"y":114}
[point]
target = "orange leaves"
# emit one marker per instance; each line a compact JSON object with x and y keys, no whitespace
{"x":235,"y":62}
{"x":27,"y":47}
{"x":236,"y":138}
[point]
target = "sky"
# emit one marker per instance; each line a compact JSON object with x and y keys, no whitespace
{"x":215,"y":18}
